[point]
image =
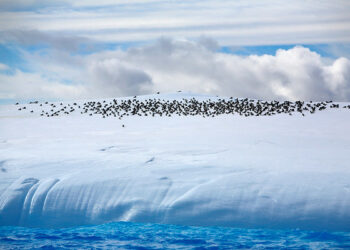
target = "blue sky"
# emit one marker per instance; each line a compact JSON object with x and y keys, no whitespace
{"x":64,"y":49}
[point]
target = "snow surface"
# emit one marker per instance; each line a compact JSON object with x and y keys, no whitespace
{"x":259,"y":172}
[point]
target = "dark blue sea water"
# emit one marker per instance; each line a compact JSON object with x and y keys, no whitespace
{"x":124,"y":235}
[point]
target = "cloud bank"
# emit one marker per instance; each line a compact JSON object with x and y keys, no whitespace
{"x":169,"y":65}
{"x":238,"y":22}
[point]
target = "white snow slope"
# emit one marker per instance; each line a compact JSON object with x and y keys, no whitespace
{"x":259,"y":172}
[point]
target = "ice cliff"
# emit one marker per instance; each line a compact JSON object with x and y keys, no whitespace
{"x":275,"y":172}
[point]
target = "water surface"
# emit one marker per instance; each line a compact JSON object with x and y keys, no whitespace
{"x":123,"y":235}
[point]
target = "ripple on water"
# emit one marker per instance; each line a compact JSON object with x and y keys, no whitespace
{"x":156,"y":236}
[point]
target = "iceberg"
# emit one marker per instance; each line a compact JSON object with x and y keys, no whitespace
{"x":278,"y":172}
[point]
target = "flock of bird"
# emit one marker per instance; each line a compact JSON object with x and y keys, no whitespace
{"x":184,"y":107}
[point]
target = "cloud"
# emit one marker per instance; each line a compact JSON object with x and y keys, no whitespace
{"x":39,"y":39}
{"x":168,"y":65}
{"x":297,"y":73}
{"x":24,"y":85}
{"x":4,"y":67}
{"x":40,"y":4}
{"x":62,"y":42}
{"x":113,"y":77}
{"x":230,"y":22}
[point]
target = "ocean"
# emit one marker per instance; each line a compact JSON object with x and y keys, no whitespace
{"x":126,"y":235}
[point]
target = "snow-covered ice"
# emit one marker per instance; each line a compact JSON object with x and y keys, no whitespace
{"x":276,"y":172}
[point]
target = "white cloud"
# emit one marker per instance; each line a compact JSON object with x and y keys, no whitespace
{"x":230,"y":22}
{"x":24,"y":85}
{"x":4,"y":67}
{"x":39,"y":38}
{"x":170,"y":65}
{"x":113,"y":77}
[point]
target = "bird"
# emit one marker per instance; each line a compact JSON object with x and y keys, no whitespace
{"x":153,"y":107}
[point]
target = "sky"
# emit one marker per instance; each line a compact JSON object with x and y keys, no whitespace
{"x":264,"y":49}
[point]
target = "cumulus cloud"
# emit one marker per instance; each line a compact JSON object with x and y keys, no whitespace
{"x":112,"y":76}
{"x":24,"y":85}
{"x":297,"y":73}
{"x":169,"y":65}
